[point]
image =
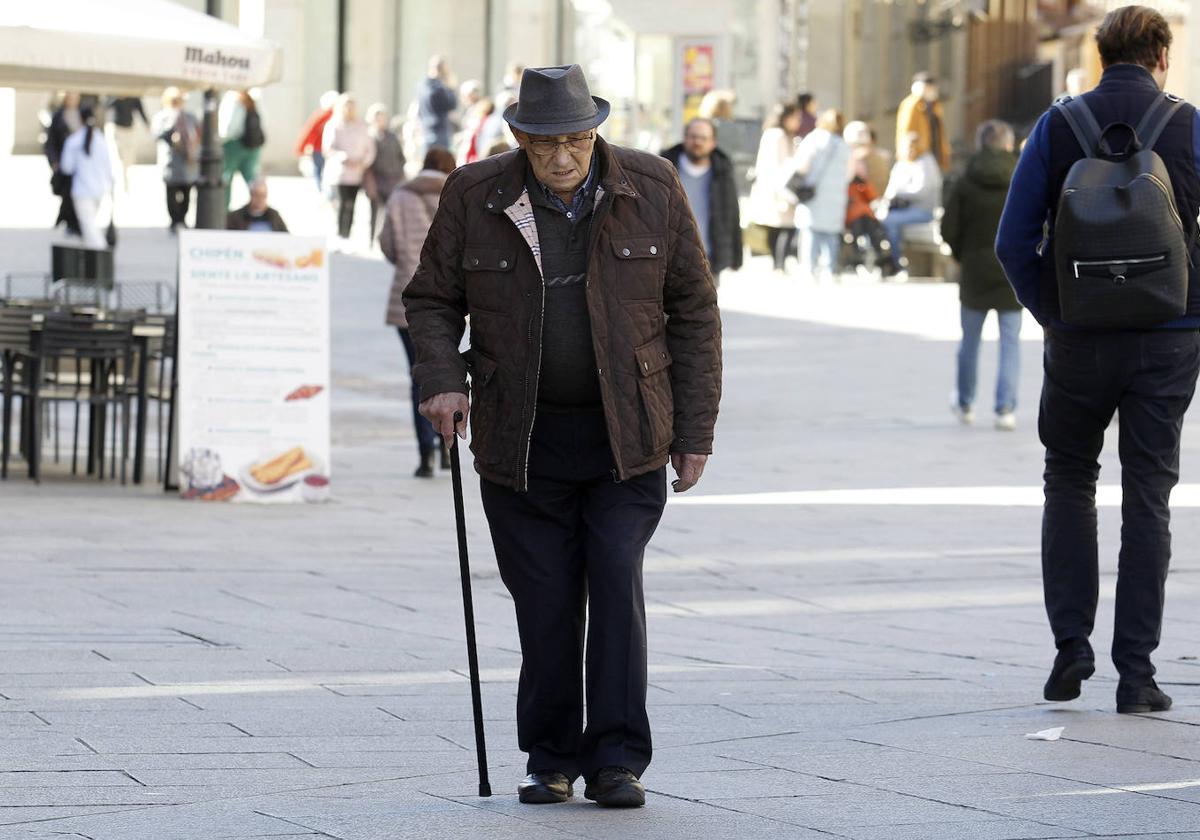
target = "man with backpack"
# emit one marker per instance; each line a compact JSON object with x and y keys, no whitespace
{"x":1097,"y":239}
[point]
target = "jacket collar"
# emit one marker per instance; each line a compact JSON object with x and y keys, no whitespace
{"x":1126,"y":77}
{"x":508,"y":186}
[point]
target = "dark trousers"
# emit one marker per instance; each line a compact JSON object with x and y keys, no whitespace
{"x":347,"y":195}
{"x":571,"y":549}
{"x":179,"y":198}
{"x":870,"y":229}
{"x":427,"y":442}
{"x":67,"y":215}
{"x":783,"y":243}
{"x":1149,"y":377}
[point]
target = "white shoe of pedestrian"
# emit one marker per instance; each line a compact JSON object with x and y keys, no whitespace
{"x":1006,"y":421}
{"x":966,"y":415}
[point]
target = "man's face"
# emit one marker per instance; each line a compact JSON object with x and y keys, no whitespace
{"x":561,"y":162}
{"x":699,"y":141}
{"x":258,"y":198}
{"x":931,"y":92}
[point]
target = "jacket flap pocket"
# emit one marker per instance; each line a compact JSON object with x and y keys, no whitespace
{"x":653,"y":357}
{"x":488,"y":259}
{"x":638,"y":247}
{"x":482,"y":368}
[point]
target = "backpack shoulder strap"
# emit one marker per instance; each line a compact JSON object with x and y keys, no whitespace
{"x":1082,"y":122}
{"x":1156,"y":119}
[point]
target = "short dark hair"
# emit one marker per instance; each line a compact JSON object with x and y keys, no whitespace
{"x":1133,"y":35}
{"x":439,"y":159}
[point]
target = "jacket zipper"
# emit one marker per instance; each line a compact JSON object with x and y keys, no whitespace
{"x":537,"y":376}
{"x":1128,"y":261}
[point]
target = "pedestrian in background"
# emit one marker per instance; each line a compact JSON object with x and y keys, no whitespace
{"x":1147,"y":375}
{"x":823,"y":159}
{"x":871,"y":163}
{"x":178,"y":138}
{"x":349,"y":151}
{"x":808,"y":114}
{"x":386,"y":171}
{"x":64,"y":121}
{"x":122,"y":134}
{"x":436,"y":101}
{"x":973,"y":207}
{"x":310,"y":143}
{"x":921,"y":113}
{"x":239,"y":125}
{"x":706,"y":173}
{"x":85,"y":157}
{"x":864,"y":227}
{"x":409,"y":213}
{"x":771,"y":204}
{"x":913,"y":195}
{"x":258,"y":215}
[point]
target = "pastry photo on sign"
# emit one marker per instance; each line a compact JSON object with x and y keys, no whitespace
{"x":280,"y":471}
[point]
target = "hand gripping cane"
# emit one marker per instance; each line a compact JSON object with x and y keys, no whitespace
{"x":464,"y":569}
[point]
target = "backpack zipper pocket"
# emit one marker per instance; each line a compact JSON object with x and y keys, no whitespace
{"x":1117,"y":263}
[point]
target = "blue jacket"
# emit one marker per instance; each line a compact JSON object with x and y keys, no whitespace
{"x":1124,"y":94}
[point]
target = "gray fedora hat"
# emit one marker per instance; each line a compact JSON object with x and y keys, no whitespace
{"x":554,"y":101}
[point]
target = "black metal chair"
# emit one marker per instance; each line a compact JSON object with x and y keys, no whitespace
{"x":105,"y":349}
{"x":15,"y":353}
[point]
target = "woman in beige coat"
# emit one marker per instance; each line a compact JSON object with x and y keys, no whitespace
{"x":409,"y":214}
{"x":771,"y":204}
{"x":349,"y":152}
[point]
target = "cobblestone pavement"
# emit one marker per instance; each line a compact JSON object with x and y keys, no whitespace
{"x":846,"y":631}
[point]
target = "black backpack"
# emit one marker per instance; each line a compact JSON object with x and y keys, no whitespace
{"x":252,"y":134}
{"x":1121,"y":252}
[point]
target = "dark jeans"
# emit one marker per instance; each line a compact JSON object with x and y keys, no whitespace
{"x":783,"y":243}
{"x":869,"y":228}
{"x":179,"y":198}
{"x":1149,"y":377}
{"x":347,"y":195}
{"x":427,"y":441}
{"x":571,"y":549}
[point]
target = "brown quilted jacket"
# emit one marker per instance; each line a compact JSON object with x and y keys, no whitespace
{"x":656,"y":329}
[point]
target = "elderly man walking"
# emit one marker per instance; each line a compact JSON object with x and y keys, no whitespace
{"x":595,"y":358}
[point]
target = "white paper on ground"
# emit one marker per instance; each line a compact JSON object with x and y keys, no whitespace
{"x":1052,"y":734}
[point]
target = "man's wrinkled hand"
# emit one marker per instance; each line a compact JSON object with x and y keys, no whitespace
{"x":440,"y":410}
{"x":689,"y":468}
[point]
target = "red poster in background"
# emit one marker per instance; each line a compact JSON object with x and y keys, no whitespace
{"x":698,"y":68}
{"x":698,"y":76}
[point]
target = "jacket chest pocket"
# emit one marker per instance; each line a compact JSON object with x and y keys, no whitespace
{"x":490,"y":281}
{"x":640,"y":266}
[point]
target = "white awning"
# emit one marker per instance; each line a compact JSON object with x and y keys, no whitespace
{"x":127,"y":46}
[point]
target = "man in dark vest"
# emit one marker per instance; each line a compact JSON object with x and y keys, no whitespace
{"x":595,"y":360}
{"x":1149,"y":376}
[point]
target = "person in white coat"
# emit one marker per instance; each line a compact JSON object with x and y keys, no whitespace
{"x":771,"y":205}
{"x":85,"y":157}
{"x":823,"y":159}
{"x":349,"y":151}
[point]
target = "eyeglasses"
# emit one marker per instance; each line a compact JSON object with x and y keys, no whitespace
{"x":574,"y":145}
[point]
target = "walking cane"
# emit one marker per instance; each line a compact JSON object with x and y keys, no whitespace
{"x":485,"y":788}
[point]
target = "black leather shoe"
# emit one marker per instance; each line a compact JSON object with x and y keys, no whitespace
{"x":1074,"y":664}
{"x":545,"y":788}
{"x":616,"y":787}
{"x":1137,"y":698}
